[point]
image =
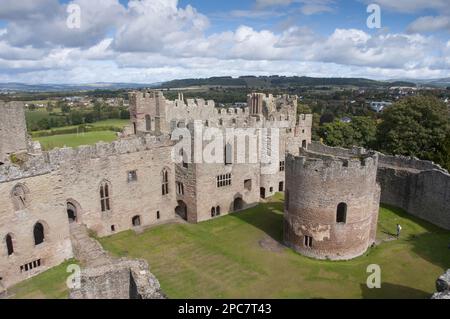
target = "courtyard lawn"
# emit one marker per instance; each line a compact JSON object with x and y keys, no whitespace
{"x":48,"y":285}
{"x":74,"y":140}
{"x":223,"y":258}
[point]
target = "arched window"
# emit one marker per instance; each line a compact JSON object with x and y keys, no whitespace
{"x":20,"y":196}
{"x":9,"y":244}
{"x":105,"y":191}
{"x":218,"y":211}
{"x":148,"y":123}
{"x":165,"y":182}
{"x":220,"y":122}
{"x":213,"y":212}
{"x":38,"y":232}
{"x":136,"y":221}
{"x":341,"y":215}
{"x":228,"y":154}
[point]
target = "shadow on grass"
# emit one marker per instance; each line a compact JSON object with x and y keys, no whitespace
{"x":266,"y":218}
{"x":393,"y":291}
{"x":432,"y":245}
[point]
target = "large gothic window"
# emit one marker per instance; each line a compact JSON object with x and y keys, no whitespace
{"x":105,"y":191}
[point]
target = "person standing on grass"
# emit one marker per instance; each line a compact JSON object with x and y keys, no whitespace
{"x":399,"y":230}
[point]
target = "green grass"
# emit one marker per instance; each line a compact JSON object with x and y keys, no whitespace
{"x":48,"y":285}
{"x":222,"y":258}
{"x":74,"y":140}
{"x":115,"y":123}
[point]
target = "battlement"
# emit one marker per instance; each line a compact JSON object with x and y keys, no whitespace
{"x":50,"y":161}
{"x":322,"y":163}
{"x":394,"y":161}
{"x":412,"y":163}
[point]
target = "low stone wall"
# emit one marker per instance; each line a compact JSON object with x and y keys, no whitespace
{"x":121,"y":279}
{"x":105,"y":277}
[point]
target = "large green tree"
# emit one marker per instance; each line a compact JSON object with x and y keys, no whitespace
{"x":361,"y":131}
{"x":415,"y":126}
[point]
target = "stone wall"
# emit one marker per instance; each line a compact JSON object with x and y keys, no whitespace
{"x":54,"y":180}
{"x":316,"y":186}
{"x":419,"y":187}
{"x":13,"y":133}
{"x":44,"y":203}
{"x":122,"y":279}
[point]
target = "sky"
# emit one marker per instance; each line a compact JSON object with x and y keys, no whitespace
{"x":148,"y":41}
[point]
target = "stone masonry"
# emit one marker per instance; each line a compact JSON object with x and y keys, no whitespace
{"x":331,"y":203}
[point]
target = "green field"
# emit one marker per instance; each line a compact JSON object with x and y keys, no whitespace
{"x":223,"y":258}
{"x":106,"y":134}
{"x":113,"y":123}
{"x":74,"y":140}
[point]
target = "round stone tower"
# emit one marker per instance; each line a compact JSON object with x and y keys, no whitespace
{"x":332,"y":203}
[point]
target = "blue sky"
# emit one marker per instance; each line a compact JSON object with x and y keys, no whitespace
{"x":157,"y":40}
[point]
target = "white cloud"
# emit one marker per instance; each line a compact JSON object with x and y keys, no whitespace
{"x":409,"y":6}
{"x":151,"y":25}
{"x":430,"y":24}
{"x":307,"y":7}
{"x":156,"y":40}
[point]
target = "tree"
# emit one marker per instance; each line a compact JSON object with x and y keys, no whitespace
{"x":415,"y":126}
{"x":361,"y":131}
{"x":50,"y":107}
{"x":76,"y":117}
{"x":303,"y":108}
{"x":65,"y":108}
{"x":338,"y":133}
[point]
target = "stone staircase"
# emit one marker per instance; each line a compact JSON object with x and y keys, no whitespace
{"x":87,"y":250}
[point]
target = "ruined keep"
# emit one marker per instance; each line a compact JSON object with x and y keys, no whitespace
{"x":331,"y":203}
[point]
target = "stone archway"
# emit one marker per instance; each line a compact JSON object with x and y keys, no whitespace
{"x":136,"y":221}
{"x":181,"y":209}
{"x":73,"y":211}
{"x":238,"y":204}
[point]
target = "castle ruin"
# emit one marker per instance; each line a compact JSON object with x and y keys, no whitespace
{"x":134,"y":182}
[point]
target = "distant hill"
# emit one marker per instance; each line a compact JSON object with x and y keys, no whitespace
{"x":279,"y":81}
{"x":248,"y":81}
{"x":20,"y":87}
{"x":443,"y":82}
